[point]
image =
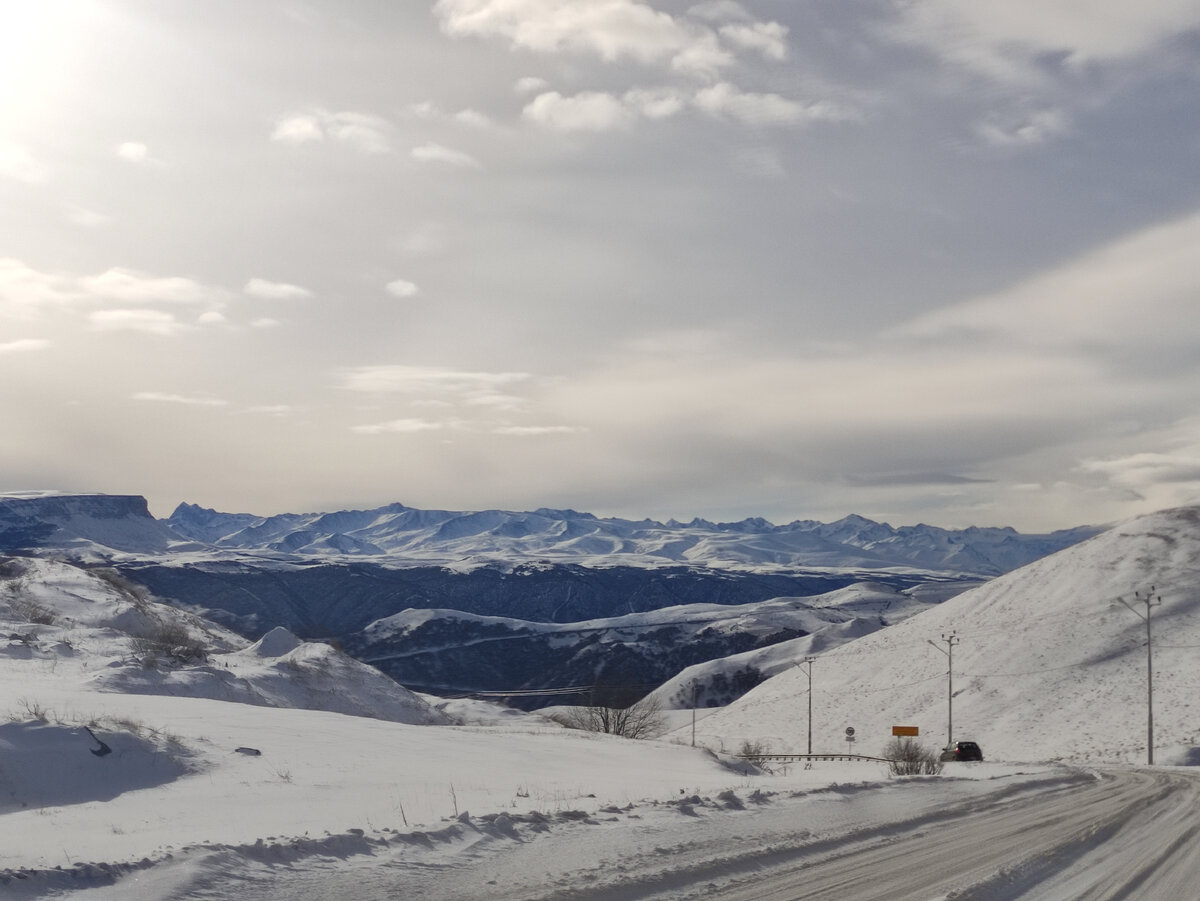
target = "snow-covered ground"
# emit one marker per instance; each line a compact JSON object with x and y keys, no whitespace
{"x":247,"y":776}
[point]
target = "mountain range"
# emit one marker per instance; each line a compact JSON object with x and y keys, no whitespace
{"x":396,"y":535}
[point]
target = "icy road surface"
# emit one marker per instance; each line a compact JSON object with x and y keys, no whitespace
{"x":1120,"y":833}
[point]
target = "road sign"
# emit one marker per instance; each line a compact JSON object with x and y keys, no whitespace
{"x":906,"y":730}
{"x":849,"y":731}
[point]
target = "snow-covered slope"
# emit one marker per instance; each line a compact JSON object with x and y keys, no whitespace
{"x":449,"y":651}
{"x":96,"y":631}
{"x":1046,"y":663}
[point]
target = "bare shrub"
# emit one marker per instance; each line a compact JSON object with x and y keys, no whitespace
{"x":131,"y":591}
{"x":28,"y":610}
{"x":615,"y":709}
{"x":911,"y":758}
{"x":167,"y":638}
{"x":754,"y":750}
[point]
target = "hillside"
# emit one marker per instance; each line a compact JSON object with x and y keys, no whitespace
{"x":1048,"y":665}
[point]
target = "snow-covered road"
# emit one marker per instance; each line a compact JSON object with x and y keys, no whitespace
{"x":1051,"y":835}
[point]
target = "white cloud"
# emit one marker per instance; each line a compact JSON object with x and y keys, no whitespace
{"x":614,"y":30}
{"x":398,"y":426}
{"x":531,"y":84}
{"x":598,"y":112}
{"x":655,"y":103}
{"x":18,"y":163}
{"x":589,"y":111}
{"x":437,"y":153}
{"x":261,"y":287}
{"x":432,"y":380}
{"x":768,"y":38}
{"x":23,"y":345}
{"x":131,"y":286}
{"x":265,"y":322}
{"x":536,"y":430}
{"x":402,"y":288}
{"x":726,"y":101}
{"x":165,"y":398}
{"x":362,"y":131}
{"x":133,"y":152}
{"x":153,"y":322}
{"x":212,"y":317}
{"x":25,"y":290}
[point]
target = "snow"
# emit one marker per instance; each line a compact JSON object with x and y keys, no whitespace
{"x":465,"y":800}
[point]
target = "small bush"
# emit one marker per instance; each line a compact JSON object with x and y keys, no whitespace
{"x":911,"y":758}
{"x":166,"y":638}
{"x":30,"y":611}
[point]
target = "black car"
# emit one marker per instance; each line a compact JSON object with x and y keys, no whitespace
{"x":963,"y":750}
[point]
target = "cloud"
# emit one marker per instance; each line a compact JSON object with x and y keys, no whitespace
{"x":471,"y":118}
{"x":614,"y":30}
{"x":19,"y":164}
{"x":1132,"y":295}
{"x":768,"y":38}
{"x":531,"y":84}
{"x":589,"y":111}
{"x":1022,"y":130}
{"x":724,"y":100}
{"x":1012,"y":40}
{"x":436,"y":153}
{"x":398,"y":426}
{"x":25,"y":290}
{"x":362,"y":131}
{"x":523,"y":431}
{"x":186,"y":400}
{"x":23,"y":345}
{"x":261,"y":287}
{"x":152,"y":322}
{"x":429,"y":380}
{"x":598,"y":112}
{"x":131,"y":286}
{"x":402,"y":288}
{"x":133,"y":152}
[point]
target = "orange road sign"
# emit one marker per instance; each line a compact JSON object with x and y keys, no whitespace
{"x":905,"y":730}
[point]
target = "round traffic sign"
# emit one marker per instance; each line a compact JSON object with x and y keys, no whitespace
{"x":849,"y":730}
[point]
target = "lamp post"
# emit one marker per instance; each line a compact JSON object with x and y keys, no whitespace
{"x":951,"y":640}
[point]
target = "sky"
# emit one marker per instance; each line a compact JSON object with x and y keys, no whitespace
{"x":922,"y":260}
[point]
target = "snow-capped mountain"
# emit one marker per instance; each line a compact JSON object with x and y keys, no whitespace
{"x":399,"y":533}
{"x":98,"y":527}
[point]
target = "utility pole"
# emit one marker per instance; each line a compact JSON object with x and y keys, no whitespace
{"x":695,"y":691}
{"x":1150,"y":599}
{"x":807,"y":663}
{"x":951,"y":640}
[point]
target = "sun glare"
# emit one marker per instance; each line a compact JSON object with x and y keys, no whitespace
{"x":36,"y":38}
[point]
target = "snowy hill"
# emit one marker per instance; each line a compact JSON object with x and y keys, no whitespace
{"x":1046,"y":664}
{"x":95,"y":630}
{"x":444,"y":651}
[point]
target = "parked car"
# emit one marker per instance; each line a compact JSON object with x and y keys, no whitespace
{"x":962,"y":750}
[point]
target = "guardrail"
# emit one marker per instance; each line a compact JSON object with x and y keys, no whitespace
{"x":787,"y":758}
